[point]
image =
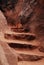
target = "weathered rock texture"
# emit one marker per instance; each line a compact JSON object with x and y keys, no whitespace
{"x":25,"y":16}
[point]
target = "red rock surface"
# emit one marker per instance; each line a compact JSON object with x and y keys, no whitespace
{"x":20,"y":20}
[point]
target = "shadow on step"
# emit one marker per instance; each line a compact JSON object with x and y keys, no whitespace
{"x":20,"y":37}
{"x":24,"y":57}
{"x":22,"y":46}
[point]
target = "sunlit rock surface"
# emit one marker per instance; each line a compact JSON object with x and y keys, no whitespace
{"x":3,"y":23}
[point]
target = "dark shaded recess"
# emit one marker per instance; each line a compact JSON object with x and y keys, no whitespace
{"x":11,"y":22}
{"x":30,"y":37}
{"x":26,"y":30}
{"x":20,"y":37}
{"x":24,"y":57}
{"x":22,"y":46}
{"x":7,"y":4}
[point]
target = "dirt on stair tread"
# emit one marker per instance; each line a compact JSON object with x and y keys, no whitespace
{"x":24,"y":57}
{"x":40,"y":62}
{"x":28,"y":52}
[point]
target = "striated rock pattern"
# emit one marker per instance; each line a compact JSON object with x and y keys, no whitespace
{"x":24,"y":16}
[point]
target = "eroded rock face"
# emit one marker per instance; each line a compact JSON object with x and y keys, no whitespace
{"x":30,"y":14}
{"x":8,"y":8}
{"x":35,"y":22}
{"x":24,"y":16}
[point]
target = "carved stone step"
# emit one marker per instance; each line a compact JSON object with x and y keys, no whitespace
{"x":29,"y":57}
{"x":40,"y":62}
{"x":28,"y":52}
{"x":17,"y":33}
{"x":20,"y":37}
{"x":16,"y":41}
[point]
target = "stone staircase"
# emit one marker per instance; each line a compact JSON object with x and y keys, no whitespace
{"x":18,"y":46}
